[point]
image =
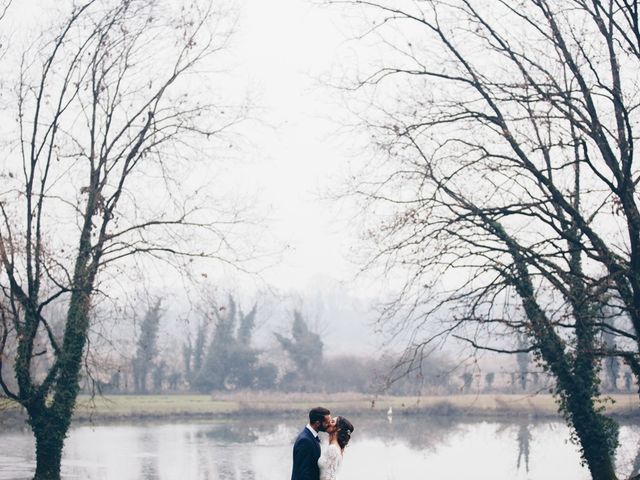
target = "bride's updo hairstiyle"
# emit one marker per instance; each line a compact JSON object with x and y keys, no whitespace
{"x":344,"y":428}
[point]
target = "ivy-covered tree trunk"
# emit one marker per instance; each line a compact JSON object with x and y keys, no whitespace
{"x":593,"y":432}
{"x":55,"y":238}
{"x":575,"y":373}
{"x":49,"y":434}
{"x":596,"y":435}
{"x":50,"y":422}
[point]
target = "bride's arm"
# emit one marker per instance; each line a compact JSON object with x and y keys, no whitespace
{"x":333,"y":461}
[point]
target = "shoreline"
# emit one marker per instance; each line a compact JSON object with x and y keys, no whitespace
{"x":110,"y":408}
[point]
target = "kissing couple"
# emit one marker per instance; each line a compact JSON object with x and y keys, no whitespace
{"x":310,"y":462}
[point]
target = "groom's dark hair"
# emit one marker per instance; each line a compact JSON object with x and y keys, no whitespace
{"x":317,"y":414}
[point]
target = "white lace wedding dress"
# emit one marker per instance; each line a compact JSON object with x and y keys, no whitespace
{"x":329,"y":462}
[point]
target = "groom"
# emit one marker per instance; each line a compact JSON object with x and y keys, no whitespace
{"x":306,"y":449}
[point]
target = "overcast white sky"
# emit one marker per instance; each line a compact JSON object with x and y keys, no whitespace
{"x":290,"y":156}
{"x":283,"y":49}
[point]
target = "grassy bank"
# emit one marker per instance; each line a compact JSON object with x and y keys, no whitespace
{"x":113,"y":407}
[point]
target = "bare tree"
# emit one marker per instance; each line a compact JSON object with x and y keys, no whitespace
{"x":109,"y":120}
{"x":505,"y":138}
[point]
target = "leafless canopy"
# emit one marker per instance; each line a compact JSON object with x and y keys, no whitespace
{"x":504,"y":132}
{"x":504,"y":174}
{"x":115,"y":116}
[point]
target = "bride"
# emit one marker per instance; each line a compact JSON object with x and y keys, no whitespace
{"x":339,"y":435}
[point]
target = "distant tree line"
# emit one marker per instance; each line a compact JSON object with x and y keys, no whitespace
{"x":221,"y":357}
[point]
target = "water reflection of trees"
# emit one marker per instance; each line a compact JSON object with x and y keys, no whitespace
{"x":418,"y":432}
{"x":149,"y":463}
{"x":236,"y":465}
{"x":424,"y":433}
{"x":218,"y":454}
{"x":225,"y":449}
{"x":524,"y":442}
{"x":251,"y":430}
{"x":429,"y":433}
{"x":231,"y":433}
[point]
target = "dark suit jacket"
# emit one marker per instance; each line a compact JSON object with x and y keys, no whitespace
{"x":306,"y":451}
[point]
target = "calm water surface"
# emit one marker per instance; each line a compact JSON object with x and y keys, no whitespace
{"x":260,"y":449}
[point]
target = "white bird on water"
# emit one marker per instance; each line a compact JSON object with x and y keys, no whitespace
{"x":390,"y":411}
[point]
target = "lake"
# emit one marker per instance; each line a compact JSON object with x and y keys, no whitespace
{"x":260,"y":449}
